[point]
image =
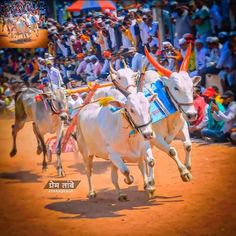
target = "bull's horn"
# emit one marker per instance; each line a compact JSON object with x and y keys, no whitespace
{"x":141,"y":78}
{"x":119,"y":87}
{"x":113,"y":71}
{"x":158,"y":66}
{"x":125,"y":65}
{"x":185,"y":63}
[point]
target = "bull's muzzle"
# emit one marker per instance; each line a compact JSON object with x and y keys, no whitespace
{"x":64,"y":116}
{"x":192,"y":116}
{"x":149,"y":135}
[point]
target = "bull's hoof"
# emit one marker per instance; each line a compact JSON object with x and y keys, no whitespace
{"x":60,"y":173}
{"x":122,"y":197}
{"x":151,"y":163}
{"x":151,"y":194}
{"x":92,"y":195}
{"x":188,"y":167}
{"x":129,"y":180}
{"x":39,"y":150}
{"x":13,"y":153}
{"x":151,"y":182}
{"x":187,"y":177}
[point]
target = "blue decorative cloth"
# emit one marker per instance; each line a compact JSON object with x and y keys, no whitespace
{"x":162,"y":106}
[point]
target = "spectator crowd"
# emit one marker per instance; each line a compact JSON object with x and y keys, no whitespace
{"x":81,"y":48}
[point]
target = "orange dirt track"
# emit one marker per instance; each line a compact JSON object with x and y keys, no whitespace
{"x":205,"y":206}
{"x":33,"y":42}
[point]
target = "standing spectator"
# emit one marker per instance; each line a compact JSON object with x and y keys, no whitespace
{"x":54,"y":76}
{"x":182,"y":22}
{"x":201,"y":19}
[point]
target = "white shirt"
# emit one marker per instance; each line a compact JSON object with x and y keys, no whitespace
{"x":55,"y":78}
{"x":201,"y":58}
{"x":125,"y":41}
{"x":229,"y":116}
{"x":105,"y":67}
{"x":137,"y":62}
{"x":64,"y":50}
{"x":73,"y":105}
{"x":89,"y":68}
{"x":112,"y":37}
{"x":143,"y":32}
{"x":81,"y":68}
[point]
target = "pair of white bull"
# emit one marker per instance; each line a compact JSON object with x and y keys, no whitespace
{"x":23,"y":26}
{"x":106,"y":134}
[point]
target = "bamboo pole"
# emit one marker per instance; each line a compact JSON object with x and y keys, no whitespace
{"x":86,"y":89}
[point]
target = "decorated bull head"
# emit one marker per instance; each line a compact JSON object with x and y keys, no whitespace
{"x":136,"y":108}
{"x":179,"y":85}
{"x":126,"y":77}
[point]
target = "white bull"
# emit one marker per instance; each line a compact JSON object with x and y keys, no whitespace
{"x":106,"y":134}
{"x":179,"y":86}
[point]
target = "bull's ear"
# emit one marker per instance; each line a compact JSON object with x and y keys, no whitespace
{"x":117,"y":104}
{"x":196,"y":80}
{"x":152,"y":98}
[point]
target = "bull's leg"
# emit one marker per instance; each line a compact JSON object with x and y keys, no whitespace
{"x":183,"y":135}
{"x":114,"y":178}
{"x":118,"y":162}
{"x":15,"y":129}
{"x":88,"y":161}
{"x":160,"y":143}
{"x":60,"y":133}
{"x":39,"y":147}
{"x":148,"y":186}
{"x":43,"y":145}
{"x":148,"y":157}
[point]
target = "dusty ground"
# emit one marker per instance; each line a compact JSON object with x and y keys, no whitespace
{"x":34,"y":42}
{"x":205,"y":206}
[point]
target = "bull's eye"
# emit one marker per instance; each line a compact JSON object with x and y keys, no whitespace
{"x":176,"y":88}
{"x":131,"y":110}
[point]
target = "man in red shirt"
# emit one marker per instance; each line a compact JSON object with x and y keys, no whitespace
{"x":199,"y":104}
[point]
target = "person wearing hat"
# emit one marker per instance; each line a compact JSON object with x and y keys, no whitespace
{"x":228,"y":116}
{"x":201,"y":53}
{"x":208,"y":123}
{"x":55,"y":79}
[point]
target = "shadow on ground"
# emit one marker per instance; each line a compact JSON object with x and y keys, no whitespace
{"x":21,"y":41}
{"x":21,"y":177}
{"x":107,"y":205}
{"x":99,"y":167}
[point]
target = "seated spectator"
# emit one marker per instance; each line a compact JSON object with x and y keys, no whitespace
{"x":228,"y":116}
{"x":201,"y":52}
{"x":209,"y":124}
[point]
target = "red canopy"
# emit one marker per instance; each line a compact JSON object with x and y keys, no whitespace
{"x":92,"y":5}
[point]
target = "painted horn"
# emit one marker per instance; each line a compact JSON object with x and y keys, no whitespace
{"x":185,"y":63}
{"x":141,"y":78}
{"x":158,"y":66}
{"x":112,"y":70}
{"x":118,"y":86}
